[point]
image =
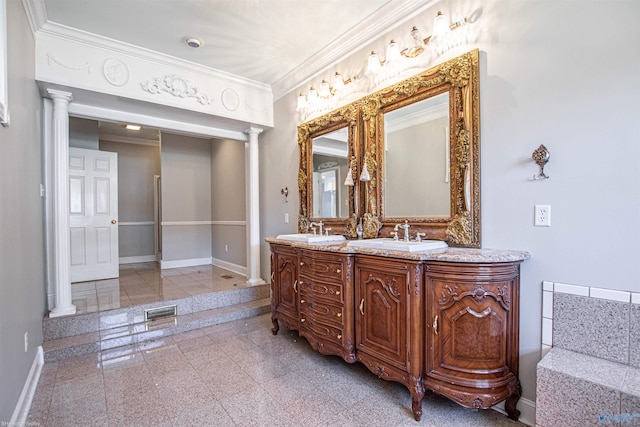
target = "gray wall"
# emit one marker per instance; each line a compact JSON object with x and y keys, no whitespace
{"x":415,"y":171}
{"x":22,"y":267}
{"x":560,"y":73}
{"x":137,"y":164}
{"x":186,"y":197}
{"x":83,"y":133}
{"x":228,"y":201}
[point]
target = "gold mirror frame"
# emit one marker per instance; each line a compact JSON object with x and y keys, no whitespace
{"x":365,"y":121}
{"x":346,"y":116}
{"x":459,"y":77}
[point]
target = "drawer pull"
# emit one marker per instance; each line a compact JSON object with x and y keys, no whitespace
{"x":362,"y":307}
{"x":295,"y":286}
{"x":435,"y":325}
{"x":339,"y":314}
{"x":339,"y":336}
{"x":337,"y":292}
{"x":338,"y":271}
{"x":302,"y":301}
{"x":302,"y":320}
{"x":302,"y":263}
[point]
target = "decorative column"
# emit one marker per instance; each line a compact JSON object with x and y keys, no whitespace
{"x":60,"y":196}
{"x":253,"y":207}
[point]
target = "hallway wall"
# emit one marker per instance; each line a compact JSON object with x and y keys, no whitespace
{"x":22,"y":266}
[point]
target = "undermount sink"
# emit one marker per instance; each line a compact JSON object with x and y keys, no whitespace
{"x":386,"y":243}
{"x":311,"y":238}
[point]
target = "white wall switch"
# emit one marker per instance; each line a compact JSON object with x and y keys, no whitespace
{"x":286,"y":218}
{"x":542,"y":216}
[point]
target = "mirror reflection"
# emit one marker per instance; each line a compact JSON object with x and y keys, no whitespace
{"x":416,"y":159}
{"x":330,"y":166}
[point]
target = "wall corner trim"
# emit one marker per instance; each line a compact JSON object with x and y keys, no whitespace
{"x":19,"y":417}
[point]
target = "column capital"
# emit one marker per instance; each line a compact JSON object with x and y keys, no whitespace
{"x":60,"y":94}
{"x":252,"y":130}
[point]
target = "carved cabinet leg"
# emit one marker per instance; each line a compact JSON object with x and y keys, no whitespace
{"x":416,"y":407}
{"x":276,"y":326}
{"x":512,"y":400}
{"x":416,"y":389}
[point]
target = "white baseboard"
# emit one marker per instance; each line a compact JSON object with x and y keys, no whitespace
{"x":527,"y":410}
{"x":184,"y":263}
{"x":229,"y":266}
{"x":19,"y":417}
{"x":136,"y":259}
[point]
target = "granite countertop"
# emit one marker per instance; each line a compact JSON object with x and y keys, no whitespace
{"x":447,"y":255}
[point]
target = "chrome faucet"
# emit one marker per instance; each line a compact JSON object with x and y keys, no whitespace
{"x":404,"y":227}
{"x":319,"y":224}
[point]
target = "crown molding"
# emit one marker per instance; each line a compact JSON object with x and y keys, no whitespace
{"x":391,"y":15}
{"x":36,"y":14}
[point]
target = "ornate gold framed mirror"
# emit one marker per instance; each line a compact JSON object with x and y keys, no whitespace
{"x":423,"y":136}
{"x":419,"y":141}
{"x":328,"y":148}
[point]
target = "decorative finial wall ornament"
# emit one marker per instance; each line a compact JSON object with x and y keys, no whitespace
{"x":541,"y":156}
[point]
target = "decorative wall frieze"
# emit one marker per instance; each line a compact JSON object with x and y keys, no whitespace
{"x":83,"y":67}
{"x":177,"y":86}
{"x":116,"y":72}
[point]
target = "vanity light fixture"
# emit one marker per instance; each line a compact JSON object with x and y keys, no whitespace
{"x":349,"y":179}
{"x":365,"y":176}
{"x":441,"y":28}
{"x":132,"y":127}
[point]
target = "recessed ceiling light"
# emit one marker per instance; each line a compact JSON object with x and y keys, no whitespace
{"x":193,"y":42}
{"x":132,"y":127}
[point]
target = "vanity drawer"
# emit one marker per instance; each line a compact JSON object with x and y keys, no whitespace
{"x":320,"y":330}
{"x":312,"y":289}
{"x":328,"y":313}
{"x":327,"y":267}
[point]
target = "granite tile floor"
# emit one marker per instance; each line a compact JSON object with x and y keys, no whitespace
{"x":143,"y":283}
{"x":233,"y":374}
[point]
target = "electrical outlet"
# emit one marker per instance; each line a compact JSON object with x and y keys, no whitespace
{"x":542,"y":216}
{"x":26,"y":342}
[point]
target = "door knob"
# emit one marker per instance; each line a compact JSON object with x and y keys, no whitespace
{"x":113,"y":221}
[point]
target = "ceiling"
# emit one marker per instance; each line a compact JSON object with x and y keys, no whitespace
{"x":262,"y":40}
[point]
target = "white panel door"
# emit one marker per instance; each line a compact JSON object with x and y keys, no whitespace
{"x":93,"y":197}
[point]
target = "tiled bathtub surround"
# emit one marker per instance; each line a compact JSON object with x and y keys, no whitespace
{"x":597,"y":322}
{"x":579,"y":390}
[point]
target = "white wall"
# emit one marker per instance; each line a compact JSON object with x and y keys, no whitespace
{"x":22,"y":267}
{"x":561,"y":73}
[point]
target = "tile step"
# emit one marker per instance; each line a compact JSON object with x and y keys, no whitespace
{"x":82,"y":324}
{"x":139,"y":332}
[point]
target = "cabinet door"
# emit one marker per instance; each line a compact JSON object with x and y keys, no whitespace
{"x":472,"y":332}
{"x":286,"y":289}
{"x":382,"y":311}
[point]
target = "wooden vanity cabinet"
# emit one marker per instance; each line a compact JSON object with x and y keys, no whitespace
{"x":284,"y":287}
{"x":472,"y":321}
{"x":325,"y":287}
{"x":389,"y":298}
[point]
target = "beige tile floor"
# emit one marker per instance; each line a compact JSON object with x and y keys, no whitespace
{"x":234,"y":374}
{"x":144,"y":282}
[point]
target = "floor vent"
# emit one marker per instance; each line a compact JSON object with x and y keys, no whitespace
{"x":226,"y":276}
{"x":160,"y":312}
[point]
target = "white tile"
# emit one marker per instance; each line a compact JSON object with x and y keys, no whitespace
{"x":571,"y":289}
{"x":547,"y":304}
{"x":610,"y":294}
{"x":635,"y":298}
{"x":547,"y":331}
{"x":545,"y":349}
{"x":547,"y":286}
